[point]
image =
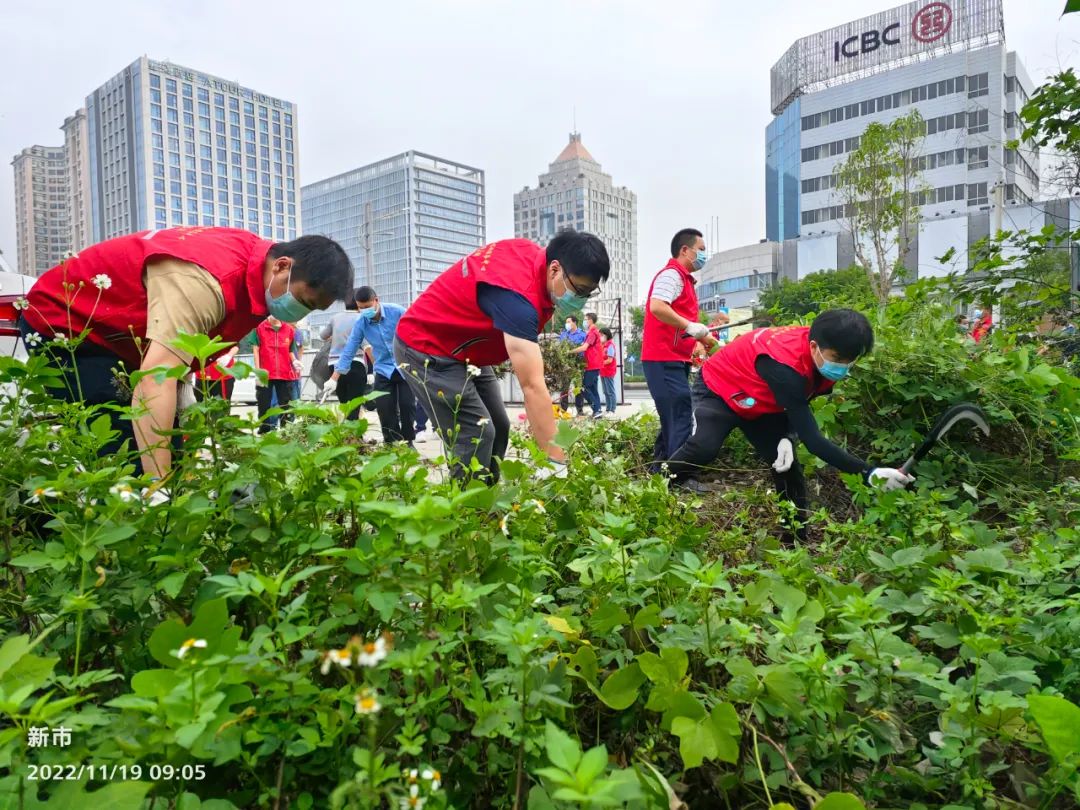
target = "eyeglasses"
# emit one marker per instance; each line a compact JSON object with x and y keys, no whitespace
{"x":577,"y":290}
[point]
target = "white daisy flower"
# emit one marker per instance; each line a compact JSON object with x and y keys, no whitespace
{"x":473,"y":371}
{"x":483,"y":420}
{"x":191,"y":643}
{"x":339,"y":657}
{"x":372,"y":652}
{"x":42,"y":492}
{"x":102,"y":281}
{"x":124,"y":492}
{"x":21,"y":303}
{"x":32,"y":339}
{"x":367,"y":702}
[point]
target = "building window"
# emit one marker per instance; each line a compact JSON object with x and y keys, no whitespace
{"x":976,"y":194}
{"x":978,"y":121}
{"x":978,"y":85}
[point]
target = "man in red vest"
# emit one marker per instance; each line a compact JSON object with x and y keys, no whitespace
{"x":671,"y":311}
{"x":134,"y":295}
{"x":276,"y":351}
{"x":487,"y":308}
{"x":593,"y":350}
{"x":762,"y":383}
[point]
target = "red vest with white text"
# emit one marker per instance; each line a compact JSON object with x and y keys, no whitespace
{"x":732,"y":376}
{"x":65,"y":300}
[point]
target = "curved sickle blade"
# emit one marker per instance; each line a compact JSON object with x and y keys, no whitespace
{"x":965,"y":411}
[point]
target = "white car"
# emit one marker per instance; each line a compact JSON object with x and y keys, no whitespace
{"x":13,"y":286}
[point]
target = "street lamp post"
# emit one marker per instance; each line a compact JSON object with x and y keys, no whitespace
{"x":369,"y":223}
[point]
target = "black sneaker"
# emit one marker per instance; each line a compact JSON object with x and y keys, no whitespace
{"x":691,"y":485}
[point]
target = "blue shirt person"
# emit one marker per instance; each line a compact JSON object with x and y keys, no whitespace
{"x":377,"y":324}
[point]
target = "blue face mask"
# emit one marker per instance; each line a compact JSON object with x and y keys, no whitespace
{"x":285,"y":307}
{"x":700,"y":259}
{"x":369,"y":313}
{"x":569,"y":302}
{"x":831,"y":370}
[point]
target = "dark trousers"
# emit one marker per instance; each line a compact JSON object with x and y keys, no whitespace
{"x":353,"y":385}
{"x":590,"y":382}
{"x":713,"y":420}
{"x":283,"y":390}
{"x":609,"y":392}
{"x":421,"y":417}
{"x":89,"y":375}
{"x":669,"y":387}
{"x":579,"y":401}
{"x":467,"y":411}
{"x":396,"y":408}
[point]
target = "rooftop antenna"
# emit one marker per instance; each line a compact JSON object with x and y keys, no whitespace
{"x":575,"y":118}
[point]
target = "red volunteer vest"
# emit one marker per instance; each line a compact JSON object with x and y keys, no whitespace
{"x":235,"y":258}
{"x":445,"y":319}
{"x":594,"y":354}
{"x":275,"y":350}
{"x":982,"y":328}
{"x":608,"y":369}
{"x":660,"y":341}
{"x":731,"y":375}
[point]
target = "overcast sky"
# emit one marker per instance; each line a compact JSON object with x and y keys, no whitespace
{"x":672,"y":98}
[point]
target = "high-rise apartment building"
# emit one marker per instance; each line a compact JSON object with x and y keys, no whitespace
{"x":42,"y":227}
{"x":77,"y":155}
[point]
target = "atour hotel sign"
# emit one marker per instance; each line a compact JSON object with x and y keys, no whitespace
{"x":920,"y":28}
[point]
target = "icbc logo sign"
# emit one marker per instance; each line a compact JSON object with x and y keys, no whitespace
{"x":866,"y":42}
{"x":930,"y":23}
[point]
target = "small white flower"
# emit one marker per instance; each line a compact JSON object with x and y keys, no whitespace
{"x":433,"y":776}
{"x":413,"y":776}
{"x":539,"y":506}
{"x":124,"y":492}
{"x":473,"y":371}
{"x":42,"y":492}
{"x":102,"y":281}
{"x":32,"y":339}
{"x":373,"y":652}
{"x":191,"y":643}
{"x":483,"y":420}
{"x":60,"y":340}
{"x":367,"y":702}
{"x":339,"y":657}
{"x":504,"y":525}
{"x":21,"y":303}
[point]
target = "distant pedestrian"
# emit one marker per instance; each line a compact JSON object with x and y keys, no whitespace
{"x":609,"y":368}
{"x":594,"y":360}
{"x":276,"y":352}
{"x":575,"y":336}
{"x":354,"y":382}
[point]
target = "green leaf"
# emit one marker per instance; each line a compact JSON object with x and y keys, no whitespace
{"x":1071,"y":6}
{"x":592,"y":765}
{"x":620,"y":690}
{"x":647,"y":617}
{"x":211,"y":623}
{"x":584,"y":663}
{"x":607,"y":617}
{"x":563,"y":750}
{"x":666,"y":669}
{"x":714,"y":737}
{"x":840,"y":801}
{"x":1059,"y":721}
{"x":782,"y":684}
{"x":154,"y":682}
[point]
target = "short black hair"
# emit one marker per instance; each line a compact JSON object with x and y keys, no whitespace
{"x":845,"y":331}
{"x":350,"y":302}
{"x":961,"y":318}
{"x":573,"y":318}
{"x":580,"y":254}
{"x":687,"y":237}
{"x":365,"y":294}
{"x":606,"y":333}
{"x":318,"y":261}
{"x":592,"y":317}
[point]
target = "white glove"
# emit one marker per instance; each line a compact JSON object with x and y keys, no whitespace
{"x":297,"y":366}
{"x":785,"y":456}
{"x":556,"y":469}
{"x":155,"y":497}
{"x":890,"y":477}
{"x":185,"y":396}
{"x":698,"y":331}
